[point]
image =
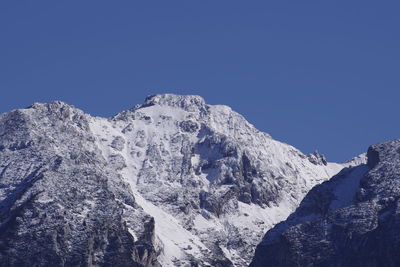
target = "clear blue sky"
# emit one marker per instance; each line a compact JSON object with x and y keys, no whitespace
{"x":316,"y":74}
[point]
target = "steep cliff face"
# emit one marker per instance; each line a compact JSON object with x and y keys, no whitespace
{"x":350,"y":220}
{"x":171,"y":182}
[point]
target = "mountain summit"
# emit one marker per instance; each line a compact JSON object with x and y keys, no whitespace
{"x":170,"y":182}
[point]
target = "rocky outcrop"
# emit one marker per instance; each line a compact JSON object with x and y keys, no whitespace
{"x":350,"y":220}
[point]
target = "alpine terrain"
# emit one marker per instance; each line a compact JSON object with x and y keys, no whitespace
{"x":177,"y":182}
{"x":351,"y":220}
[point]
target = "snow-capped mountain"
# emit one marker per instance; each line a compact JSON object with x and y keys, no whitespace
{"x":350,"y":220}
{"x":171,"y":182}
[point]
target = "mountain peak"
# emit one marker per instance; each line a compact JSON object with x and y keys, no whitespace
{"x":171,"y":182}
{"x":55,"y":109}
{"x":186,"y":102}
{"x":53,"y":105}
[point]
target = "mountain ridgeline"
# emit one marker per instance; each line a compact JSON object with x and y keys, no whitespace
{"x":177,"y":182}
{"x":351,"y":220}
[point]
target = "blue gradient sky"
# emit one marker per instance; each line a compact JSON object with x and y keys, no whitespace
{"x":316,"y":74}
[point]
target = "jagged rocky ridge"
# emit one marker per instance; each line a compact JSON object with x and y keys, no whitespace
{"x":171,"y":182}
{"x":351,"y":220}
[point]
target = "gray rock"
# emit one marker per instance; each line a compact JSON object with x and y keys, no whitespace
{"x":118,"y":143}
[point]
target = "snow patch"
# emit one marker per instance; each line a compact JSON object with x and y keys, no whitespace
{"x":346,"y":190}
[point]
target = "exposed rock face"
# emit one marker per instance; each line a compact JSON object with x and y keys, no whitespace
{"x":61,"y":205}
{"x":172,"y":182}
{"x":351,"y":220}
{"x":317,"y":158}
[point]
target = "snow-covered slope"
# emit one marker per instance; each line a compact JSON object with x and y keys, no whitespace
{"x":212,"y":182}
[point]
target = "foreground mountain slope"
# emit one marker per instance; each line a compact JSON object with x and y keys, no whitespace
{"x":350,"y":220}
{"x":171,"y":182}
